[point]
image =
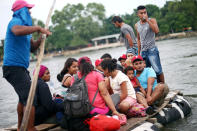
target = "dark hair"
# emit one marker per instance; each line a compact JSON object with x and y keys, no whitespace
{"x":106,"y":55}
{"x":110,"y":64}
{"x":128,"y":68}
{"x":85,"y":67}
{"x":141,"y":7}
{"x":67,"y":64}
{"x":117,"y":19}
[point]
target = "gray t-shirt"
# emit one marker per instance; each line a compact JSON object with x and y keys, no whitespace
{"x":127,"y":29}
{"x":147,"y":36}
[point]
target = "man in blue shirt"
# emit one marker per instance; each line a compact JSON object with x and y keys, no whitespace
{"x":18,"y":44}
{"x":147,"y":78}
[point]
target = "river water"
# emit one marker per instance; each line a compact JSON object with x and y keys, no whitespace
{"x":179,"y":61}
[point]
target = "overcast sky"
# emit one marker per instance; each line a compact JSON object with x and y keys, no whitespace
{"x":41,"y":9}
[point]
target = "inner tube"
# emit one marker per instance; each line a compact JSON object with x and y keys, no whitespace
{"x":179,"y":109}
{"x":146,"y":126}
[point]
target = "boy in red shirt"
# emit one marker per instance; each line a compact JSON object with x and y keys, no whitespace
{"x":129,"y":71}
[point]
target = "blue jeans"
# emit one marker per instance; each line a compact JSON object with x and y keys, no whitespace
{"x":151,"y":56}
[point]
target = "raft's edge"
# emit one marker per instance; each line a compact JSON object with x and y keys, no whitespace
{"x":131,"y":123}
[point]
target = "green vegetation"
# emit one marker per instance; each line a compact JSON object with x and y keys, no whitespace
{"x":75,"y":25}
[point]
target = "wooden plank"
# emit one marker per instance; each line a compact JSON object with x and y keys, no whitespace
{"x":133,"y":122}
{"x":41,"y":127}
{"x":58,"y":129}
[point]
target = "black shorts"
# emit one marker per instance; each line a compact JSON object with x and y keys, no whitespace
{"x":19,"y":78}
{"x":137,"y":89}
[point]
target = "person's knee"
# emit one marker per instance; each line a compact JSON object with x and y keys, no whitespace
{"x":140,"y":97}
{"x":166,"y":89}
{"x":124,"y":107}
{"x":160,"y":87}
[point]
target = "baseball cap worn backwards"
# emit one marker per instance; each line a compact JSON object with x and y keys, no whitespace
{"x":18,"y":4}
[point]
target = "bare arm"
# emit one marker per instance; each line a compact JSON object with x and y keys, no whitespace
{"x":35,"y":43}
{"x":141,"y":88}
{"x":138,"y":40}
{"x":104,"y":93}
{"x":67,"y":81}
{"x":107,"y":83}
{"x":25,"y":30}
{"x":124,"y":92}
{"x":129,"y":40}
{"x":153,"y":25}
{"x":150,"y":85}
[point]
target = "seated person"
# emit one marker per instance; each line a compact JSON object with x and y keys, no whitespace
{"x":108,"y":56}
{"x":95,"y":81}
{"x":129,"y":71}
{"x":120,"y":84}
{"x":45,"y":106}
{"x":70,"y":68}
{"x":122,"y":60}
{"x":147,"y":78}
{"x":130,"y":54}
{"x":98,"y":65}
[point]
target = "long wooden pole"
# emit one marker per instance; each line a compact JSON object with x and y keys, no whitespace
{"x":35,"y":77}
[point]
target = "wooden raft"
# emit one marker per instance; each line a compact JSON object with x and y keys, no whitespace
{"x":41,"y":127}
{"x":131,"y":123}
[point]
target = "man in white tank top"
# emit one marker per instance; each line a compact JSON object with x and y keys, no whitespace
{"x":146,"y":29}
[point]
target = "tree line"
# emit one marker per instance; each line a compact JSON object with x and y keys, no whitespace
{"x":75,"y":25}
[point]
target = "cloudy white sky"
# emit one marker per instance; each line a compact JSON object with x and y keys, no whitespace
{"x":41,"y":9}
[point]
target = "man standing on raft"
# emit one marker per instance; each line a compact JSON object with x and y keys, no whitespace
{"x":18,"y":44}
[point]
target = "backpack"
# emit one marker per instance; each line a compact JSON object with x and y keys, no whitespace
{"x":76,"y":101}
{"x":103,"y":123}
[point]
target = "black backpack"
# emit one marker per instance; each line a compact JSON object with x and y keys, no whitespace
{"x":76,"y":101}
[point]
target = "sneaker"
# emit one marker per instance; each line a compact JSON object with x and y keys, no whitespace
{"x":150,"y":110}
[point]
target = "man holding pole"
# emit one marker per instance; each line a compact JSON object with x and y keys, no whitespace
{"x":18,"y":44}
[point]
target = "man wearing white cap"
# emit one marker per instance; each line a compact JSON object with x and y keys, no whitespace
{"x":18,"y":44}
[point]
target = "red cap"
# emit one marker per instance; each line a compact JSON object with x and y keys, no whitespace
{"x":87,"y":59}
{"x":18,"y":4}
{"x":136,"y":58}
{"x":98,"y":62}
{"x":124,"y":56}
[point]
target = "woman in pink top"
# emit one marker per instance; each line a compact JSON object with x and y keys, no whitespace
{"x":95,"y":81}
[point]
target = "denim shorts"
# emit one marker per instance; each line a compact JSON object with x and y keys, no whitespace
{"x":151,"y":56}
{"x":19,"y":78}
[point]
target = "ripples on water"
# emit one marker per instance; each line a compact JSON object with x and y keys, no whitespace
{"x":179,"y":61}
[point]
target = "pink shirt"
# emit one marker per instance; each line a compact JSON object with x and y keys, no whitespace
{"x":92,"y":80}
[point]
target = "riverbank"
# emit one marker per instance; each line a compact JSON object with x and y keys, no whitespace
{"x":176,"y":35}
{"x":72,"y":52}
{"x":112,"y":45}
